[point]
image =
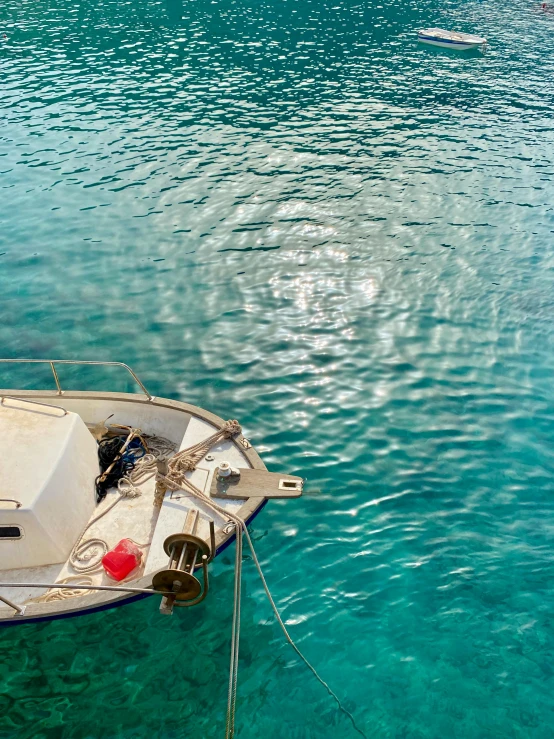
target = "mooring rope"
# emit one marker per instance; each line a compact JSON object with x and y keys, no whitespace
{"x":235,"y":639}
{"x":241,"y":528}
{"x":291,"y":641}
{"x":186,"y":460}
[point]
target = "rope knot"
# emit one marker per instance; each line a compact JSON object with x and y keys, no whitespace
{"x":179,"y":465}
{"x":187,"y":464}
{"x":127,"y":489}
{"x":231,"y":428}
{"x":188,"y":459}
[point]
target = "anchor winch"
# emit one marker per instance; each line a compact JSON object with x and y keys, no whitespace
{"x":184,"y":551}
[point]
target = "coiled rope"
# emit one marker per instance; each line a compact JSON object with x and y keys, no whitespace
{"x":61,"y":593}
{"x":117,"y":457}
{"x":86,"y":556}
{"x":240,"y":529}
{"x":160,"y":447}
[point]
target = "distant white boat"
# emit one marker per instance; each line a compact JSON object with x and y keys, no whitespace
{"x":451,"y":39}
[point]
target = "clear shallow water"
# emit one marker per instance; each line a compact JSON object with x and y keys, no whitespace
{"x":291,"y":214}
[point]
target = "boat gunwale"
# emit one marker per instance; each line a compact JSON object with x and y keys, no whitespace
{"x":103,"y":600}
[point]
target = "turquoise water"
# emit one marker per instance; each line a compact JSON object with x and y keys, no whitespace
{"x":289,"y":213}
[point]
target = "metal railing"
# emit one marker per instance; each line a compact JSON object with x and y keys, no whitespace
{"x":54,"y":362}
{"x":34,"y":402}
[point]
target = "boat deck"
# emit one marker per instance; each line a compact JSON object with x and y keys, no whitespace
{"x":143,"y":519}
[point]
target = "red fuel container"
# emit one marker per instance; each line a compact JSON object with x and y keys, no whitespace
{"x":122,"y":559}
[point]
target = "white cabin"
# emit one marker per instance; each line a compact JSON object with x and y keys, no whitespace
{"x":47,"y":493}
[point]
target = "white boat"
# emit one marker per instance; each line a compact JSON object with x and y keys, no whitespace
{"x":188,"y":479}
{"x":451,"y":39}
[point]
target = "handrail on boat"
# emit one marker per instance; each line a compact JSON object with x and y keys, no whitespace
{"x":20,"y":610}
{"x":54,"y":362}
{"x":34,"y":402}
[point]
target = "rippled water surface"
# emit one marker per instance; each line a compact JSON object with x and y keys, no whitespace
{"x":288,"y":212}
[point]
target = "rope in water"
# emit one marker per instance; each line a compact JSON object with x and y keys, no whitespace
{"x":241,"y":528}
{"x":235,"y":640}
{"x":175,"y":480}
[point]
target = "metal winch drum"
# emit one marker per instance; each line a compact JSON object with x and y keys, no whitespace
{"x":187,"y":553}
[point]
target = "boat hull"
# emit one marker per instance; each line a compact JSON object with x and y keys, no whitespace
{"x":459,"y":46}
{"x":451,"y":39}
{"x":165,"y":412}
{"x":110,"y":604}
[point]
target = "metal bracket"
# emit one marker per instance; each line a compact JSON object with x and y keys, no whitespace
{"x":287,"y":484}
{"x":19,"y":609}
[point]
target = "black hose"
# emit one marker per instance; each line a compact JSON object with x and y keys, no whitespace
{"x":108,"y":453}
